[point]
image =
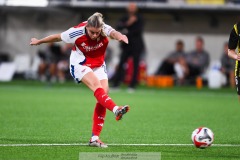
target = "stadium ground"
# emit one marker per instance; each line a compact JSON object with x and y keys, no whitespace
{"x":40,"y":121}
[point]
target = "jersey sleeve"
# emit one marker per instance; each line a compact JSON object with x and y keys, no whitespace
{"x":233,"y":38}
{"x":107,"y":29}
{"x":70,"y":35}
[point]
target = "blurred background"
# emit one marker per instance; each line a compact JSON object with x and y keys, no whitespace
{"x":165,"y":22}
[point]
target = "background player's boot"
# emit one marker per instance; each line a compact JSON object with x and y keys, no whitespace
{"x":97,"y":143}
{"x":121,"y":111}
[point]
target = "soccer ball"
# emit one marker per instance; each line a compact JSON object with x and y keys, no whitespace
{"x":202,"y":137}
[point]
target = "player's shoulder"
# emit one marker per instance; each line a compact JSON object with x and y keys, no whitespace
{"x":77,"y":31}
{"x":236,"y":27}
{"x":107,"y":29}
{"x":81,"y":25}
{"x":106,"y":25}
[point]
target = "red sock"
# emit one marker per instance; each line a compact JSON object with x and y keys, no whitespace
{"x":104,"y":99}
{"x":98,"y":119}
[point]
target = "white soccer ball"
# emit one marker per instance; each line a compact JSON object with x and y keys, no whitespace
{"x":202,"y":137}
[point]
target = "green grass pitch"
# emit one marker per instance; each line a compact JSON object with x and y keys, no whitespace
{"x":34,"y":113}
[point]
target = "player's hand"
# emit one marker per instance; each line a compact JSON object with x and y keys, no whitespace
{"x":124,"y":39}
{"x":237,"y":57}
{"x":34,"y":41}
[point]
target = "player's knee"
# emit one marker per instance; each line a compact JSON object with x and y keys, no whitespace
{"x":95,"y":85}
{"x":106,"y":89}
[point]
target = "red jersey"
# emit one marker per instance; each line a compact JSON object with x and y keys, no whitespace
{"x":87,"y":51}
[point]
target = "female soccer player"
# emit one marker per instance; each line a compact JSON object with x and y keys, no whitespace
{"x":87,"y":65}
{"x":233,"y":43}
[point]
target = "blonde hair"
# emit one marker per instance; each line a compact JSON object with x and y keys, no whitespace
{"x":96,"y":21}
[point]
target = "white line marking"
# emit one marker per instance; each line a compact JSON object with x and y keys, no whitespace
{"x":83,"y":144}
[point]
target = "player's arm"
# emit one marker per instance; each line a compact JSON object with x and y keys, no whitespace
{"x":232,"y":44}
{"x":119,"y":36}
{"x":112,"y":33}
{"x":48,"y":39}
{"x":232,"y":54}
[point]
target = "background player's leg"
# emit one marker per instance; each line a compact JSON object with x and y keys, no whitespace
{"x":119,"y":74}
{"x":136,"y":59}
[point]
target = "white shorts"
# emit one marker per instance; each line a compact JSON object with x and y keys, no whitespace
{"x":79,"y":71}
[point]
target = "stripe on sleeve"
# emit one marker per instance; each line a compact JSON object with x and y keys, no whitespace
{"x":75,"y":33}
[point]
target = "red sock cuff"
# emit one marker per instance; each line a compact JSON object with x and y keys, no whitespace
{"x":99,"y":91}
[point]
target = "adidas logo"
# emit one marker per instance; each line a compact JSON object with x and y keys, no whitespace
{"x":83,"y":70}
{"x":100,"y":117}
{"x":100,"y":124}
{"x":107,"y":99}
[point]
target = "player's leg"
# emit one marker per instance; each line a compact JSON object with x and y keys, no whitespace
{"x":237,"y":78}
{"x":100,"y":111}
{"x":231,"y":79}
{"x":98,"y":120}
{"x":91,"y":80}
{"x":101,"y":73}
{"x":237,"y":81}
{"x":97,"y":125}
{"x":86,"y":75}
{"x":238,"y":87}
